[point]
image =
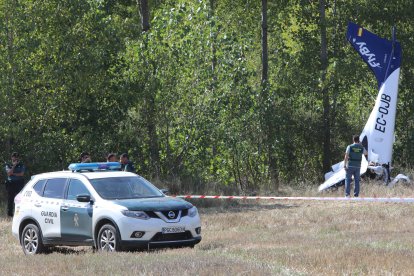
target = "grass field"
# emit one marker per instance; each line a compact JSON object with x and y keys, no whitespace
{"x":257,"y":238}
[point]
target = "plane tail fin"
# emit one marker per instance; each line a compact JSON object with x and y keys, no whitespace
{"x":384,"y":58}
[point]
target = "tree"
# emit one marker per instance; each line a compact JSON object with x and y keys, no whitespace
{"x":269,"y":114}
{"x":145,"y":14}
{"x":324,"y":89}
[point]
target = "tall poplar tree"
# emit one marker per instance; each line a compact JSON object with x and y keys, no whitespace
{"x":324,"y":88}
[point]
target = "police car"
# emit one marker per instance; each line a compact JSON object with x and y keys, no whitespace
{"x":94,"y":204}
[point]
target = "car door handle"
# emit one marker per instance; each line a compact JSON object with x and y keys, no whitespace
{"x":38,"y":205}
{"x":65,"y":208}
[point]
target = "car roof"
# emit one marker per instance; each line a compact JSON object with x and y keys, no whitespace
{"x":87,"y":174}
{"x":104,"y":174}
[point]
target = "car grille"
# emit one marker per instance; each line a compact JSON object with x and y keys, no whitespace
{"x":172,"y":236}
{"x":152,"y":214}
{"x":165,"y":213}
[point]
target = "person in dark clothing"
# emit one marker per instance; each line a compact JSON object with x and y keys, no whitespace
{"x":352,"y":163}
{"x":111,"y":157}
{"x":85,"y":157}
{"x":126,"y":164}
{"x":15,"y":181}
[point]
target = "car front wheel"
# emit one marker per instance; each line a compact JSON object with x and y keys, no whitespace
{"x":31,"y":240}
{"x":108,"y":239}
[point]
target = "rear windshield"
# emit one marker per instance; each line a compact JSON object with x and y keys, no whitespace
{"x":125,"y":188}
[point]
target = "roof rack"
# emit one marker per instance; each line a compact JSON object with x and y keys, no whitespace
{"x":92,"y":167}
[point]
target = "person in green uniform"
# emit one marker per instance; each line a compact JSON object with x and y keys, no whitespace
{"x":126,"y":164}
{"x":352,"y":164}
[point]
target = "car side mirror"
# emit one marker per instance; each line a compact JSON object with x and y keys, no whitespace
{"x":165,"y":191}
{"x":83,"y":198}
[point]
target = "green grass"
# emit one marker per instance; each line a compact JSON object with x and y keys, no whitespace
{"x":257,"y":238}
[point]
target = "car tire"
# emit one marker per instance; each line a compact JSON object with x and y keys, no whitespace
{"x":31,"y":240}
{"x":108,"y":239}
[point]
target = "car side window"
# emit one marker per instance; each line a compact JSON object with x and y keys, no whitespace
{"x":54,"y":188}
{"x":38,"y":187}
{"x":76,"y":187}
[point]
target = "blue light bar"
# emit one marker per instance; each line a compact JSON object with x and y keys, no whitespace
{"x":94,"y":166}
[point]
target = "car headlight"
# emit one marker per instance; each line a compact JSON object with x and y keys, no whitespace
{"x":135,"y":214}
{"x":192,"y":212}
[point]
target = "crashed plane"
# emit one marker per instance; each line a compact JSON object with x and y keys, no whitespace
{"x":383,"y":58}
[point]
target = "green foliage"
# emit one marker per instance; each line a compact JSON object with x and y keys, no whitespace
{"x":185,"y":98}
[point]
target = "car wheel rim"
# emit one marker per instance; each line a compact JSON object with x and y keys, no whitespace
{"x":107,"y":240}
{"x":30,"y":241}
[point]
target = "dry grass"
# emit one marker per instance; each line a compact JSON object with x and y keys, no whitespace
{"x":252,"y":238}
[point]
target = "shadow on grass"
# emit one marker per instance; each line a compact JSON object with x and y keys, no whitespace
{"x":88,"y":250}
{"x":68,"y":250}
{"x":236,"y":206}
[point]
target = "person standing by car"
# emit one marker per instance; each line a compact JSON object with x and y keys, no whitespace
{"x":15,"y":181}
{"x":126,"y":164}
{"x":352,"y":164}
{"x":85,"y":157}
{"x":111,"y":157}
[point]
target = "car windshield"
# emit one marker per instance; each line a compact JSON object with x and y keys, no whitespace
{"x":125,"y":188}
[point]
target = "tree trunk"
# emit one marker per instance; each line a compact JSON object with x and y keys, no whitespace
{"x":213,"y":84}
{"x":213,"y":37}
{"x":325,"y":92}
{"x":10,"y":106}
{"x":150,"y":104}
{"x":270,"y":131}
{"x":153,"y":136}
{"x":144,"y":12}
{"x":265,"y":63}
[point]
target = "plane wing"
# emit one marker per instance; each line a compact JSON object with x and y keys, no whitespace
{"x":398,"y":178}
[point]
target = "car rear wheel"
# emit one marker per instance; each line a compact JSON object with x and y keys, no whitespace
{"x":31,"y":240}
{"x":108,"y":239}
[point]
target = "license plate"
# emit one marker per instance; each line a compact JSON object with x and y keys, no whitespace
{"x":168,"y":230}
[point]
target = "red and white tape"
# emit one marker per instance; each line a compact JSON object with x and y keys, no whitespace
{"x":369,"y":199}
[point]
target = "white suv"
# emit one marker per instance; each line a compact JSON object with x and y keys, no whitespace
{"x":93,"y":204}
